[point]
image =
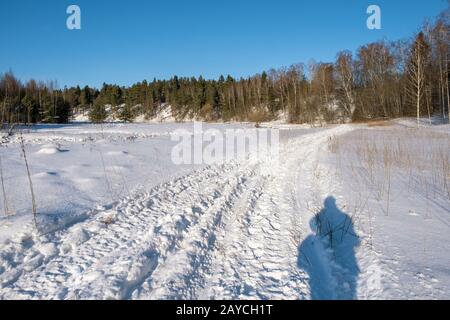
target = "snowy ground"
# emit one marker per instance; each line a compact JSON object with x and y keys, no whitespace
{"x":349,"y":212}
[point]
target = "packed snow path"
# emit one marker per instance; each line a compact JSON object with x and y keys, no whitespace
{"x":229,"y":231}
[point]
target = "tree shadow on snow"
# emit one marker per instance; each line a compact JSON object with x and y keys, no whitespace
{"x":328,"y":254}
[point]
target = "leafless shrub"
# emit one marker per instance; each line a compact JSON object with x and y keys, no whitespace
{"x":419,"y":159}
{"x":259,"y":115}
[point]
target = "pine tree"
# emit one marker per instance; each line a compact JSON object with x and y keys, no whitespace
{"x":47,"y":109}
{"x":62,"y":111}
{"x":31,"y":108}
{"x":98,"y":112}
{"x":85,"y":99}
{"x":126,"y":113}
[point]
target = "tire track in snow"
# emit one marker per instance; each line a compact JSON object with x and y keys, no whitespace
{"x":150,"y":221}
{"x":228,"y":231}
{"x":259,"y":259}
{"x":183,"y":271}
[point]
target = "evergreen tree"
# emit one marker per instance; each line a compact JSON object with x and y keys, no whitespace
{"x":32,"y":109}
{"x":62,"y":111}
{"x":126,"y":113}
{"x":47,"y":109}
{"x":98,"y":112}
{"x":85,"y":99}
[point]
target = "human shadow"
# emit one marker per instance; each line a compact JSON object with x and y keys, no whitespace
{"x":328,"y":254}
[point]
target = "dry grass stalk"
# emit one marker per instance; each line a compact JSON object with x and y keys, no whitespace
{"x":33,"y":198}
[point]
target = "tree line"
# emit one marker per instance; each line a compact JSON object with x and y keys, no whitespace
{"x":384,"y":79}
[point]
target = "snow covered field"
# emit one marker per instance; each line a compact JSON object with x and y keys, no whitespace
{"x":348,"y":212}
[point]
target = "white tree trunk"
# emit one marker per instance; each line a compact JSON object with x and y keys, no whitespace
{"x":418,"y":88}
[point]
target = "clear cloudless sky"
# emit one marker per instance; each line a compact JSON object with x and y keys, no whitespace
{"x":124,"y":42}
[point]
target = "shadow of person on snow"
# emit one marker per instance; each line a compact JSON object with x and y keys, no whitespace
{"x":328,"y":254}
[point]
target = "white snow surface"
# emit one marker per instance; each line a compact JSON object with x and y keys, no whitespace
{"x":118,"y":220}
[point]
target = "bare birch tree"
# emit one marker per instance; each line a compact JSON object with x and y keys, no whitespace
{"x":417,"y":71}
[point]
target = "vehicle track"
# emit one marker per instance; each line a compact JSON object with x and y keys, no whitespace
{"x":229,"y":231}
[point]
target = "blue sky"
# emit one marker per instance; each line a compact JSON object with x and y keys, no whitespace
{"x":128,"y":41}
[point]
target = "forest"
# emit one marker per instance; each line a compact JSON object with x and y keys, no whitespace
{"x":384,"y":79}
